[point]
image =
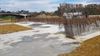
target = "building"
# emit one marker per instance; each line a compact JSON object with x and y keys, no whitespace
{"x":71,"y":15}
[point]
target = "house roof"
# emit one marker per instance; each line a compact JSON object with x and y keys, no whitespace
{"x":72,"y":13}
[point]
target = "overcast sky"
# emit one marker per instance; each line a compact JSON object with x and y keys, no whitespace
{"x":38,"y":5}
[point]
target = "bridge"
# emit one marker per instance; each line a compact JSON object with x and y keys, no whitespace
{"x":14,"y":14}
{"x":18,"y":16}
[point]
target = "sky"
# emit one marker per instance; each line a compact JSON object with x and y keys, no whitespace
{"x":39,"y":5}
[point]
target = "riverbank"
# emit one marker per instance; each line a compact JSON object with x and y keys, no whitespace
{"x":90,"y":47}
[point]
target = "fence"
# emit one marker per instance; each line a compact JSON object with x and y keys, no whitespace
{"x":75,"y":26}
{"x":81,"y":26}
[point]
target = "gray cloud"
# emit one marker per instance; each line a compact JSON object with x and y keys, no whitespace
{"x":32,"y":5}
{"x":38,"y":5}
{"x":93,"y":1}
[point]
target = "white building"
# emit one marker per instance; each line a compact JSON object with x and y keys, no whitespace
{"x":72,"y":15}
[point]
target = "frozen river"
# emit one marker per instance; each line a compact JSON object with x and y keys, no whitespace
{"x":43,"y":40}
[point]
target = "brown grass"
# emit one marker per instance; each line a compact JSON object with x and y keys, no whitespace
{"x":90,"y":47}
{"x":11,"y":28}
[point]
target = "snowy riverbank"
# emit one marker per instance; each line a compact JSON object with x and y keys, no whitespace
{"x":42,"y":40}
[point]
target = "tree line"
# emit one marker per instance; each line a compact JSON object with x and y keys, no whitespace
{"x":90,"y":9}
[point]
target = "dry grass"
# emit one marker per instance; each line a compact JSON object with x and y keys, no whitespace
{"x":11,"y":28}
{"x":7,"y":21}
{"x":90,"y":47}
